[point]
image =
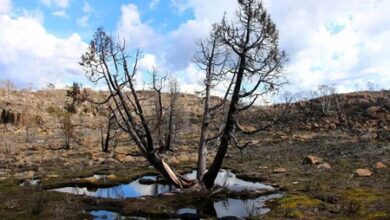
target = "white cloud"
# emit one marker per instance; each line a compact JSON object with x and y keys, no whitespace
{"x":30,"y":54}
{"x":328,"y":42}
{"x":87,"y":8}
{"x":182,"y":43}
{"x":147,"y":63}
{"x":83,"y":21}
{"x":136,"y":33}
{"x":153,"y":4}
{"x":61,"y":13}
{"x":5,"y":6}
{"x":341,"y":42}
{"x":56,"y":3}
{"x":333,"y":42}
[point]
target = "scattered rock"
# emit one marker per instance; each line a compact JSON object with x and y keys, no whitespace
{"x":363,"y":172}
{"x":174,"y":161}
{"x":92,"y":180}
{"x":323,"y":166}
{"x":302,"y":137}
{"x":372,"y":111}
{"x":279,"y":170}
{"x":380,"y":165}
{"x":123,"y":158}
{"x":183,"y":157}
{"x":368,"y":136}
{"x":314,"y":160}
{"x":111,"y":177}
{"x":25,"y":175}
{"x":53,"y":176}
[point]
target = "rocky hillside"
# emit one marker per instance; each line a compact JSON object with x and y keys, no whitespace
{"x":365,"y":113}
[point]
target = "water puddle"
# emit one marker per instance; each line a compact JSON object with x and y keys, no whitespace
{"x":151,"y":186}
{"x":230,"y":207}
{"x":224,"y":209}
{"x":229,"y":180}
{"x":129,"y":190}
{"x":30,"y":182}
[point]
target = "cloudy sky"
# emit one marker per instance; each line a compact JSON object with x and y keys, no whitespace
{"x":341,"y":42}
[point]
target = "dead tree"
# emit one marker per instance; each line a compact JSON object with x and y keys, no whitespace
{"x":158,"y":85}
{"x":171,"y":128}
{"x":253,"y":70}
{"x":7,"y":86}
{"x":107,"y":61}
{"x":326,"y":97}
{"x":211,"y":57}
{"x":253,"y":39}
{"x":109,"y":135}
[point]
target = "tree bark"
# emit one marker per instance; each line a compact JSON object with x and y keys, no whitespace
{"x":210,"y":176}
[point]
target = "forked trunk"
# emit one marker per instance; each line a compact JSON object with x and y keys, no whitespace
{"x":165,"y":170}
{"x":210,"y":176}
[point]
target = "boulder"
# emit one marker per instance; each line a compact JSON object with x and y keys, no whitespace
{"x":302,"y":137}
{"x":313,"y":160}
{"x":367,"y":136}
{"x":52,"y":176}
{"x":123,"y":158}
{"x":25,"y":175}
{"x":111,"y":177}
{"x":380,"y":165}
{"x":323,"y":166}
{"x":363,"y":172}
{"x":174,"y":161}
{"x":280,"y":170}
{"x":372,"y":111}
{"x":90,"y":180}
{"x":183,"y":157}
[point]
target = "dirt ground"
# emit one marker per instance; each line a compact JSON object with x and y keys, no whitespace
{"x":310,"y":192}
{"x":330,"y":190}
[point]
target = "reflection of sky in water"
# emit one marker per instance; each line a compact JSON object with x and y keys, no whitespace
{"x":243,"y":208}
{"x":228,"y":207}
{"x":229,"y":180}
{"x":130,"y":190}
{"x":136,"y":189}
{"x":104,"y":215}
{"x":31,"y":182}
{"x":108,"y":215}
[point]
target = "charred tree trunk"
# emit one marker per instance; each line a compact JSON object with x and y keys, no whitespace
{"x":169,"y":136}
{"x":106,"y":60}
{"x":211,"y":175}
{"x":202,"y":148}
{"x":158,"y":108}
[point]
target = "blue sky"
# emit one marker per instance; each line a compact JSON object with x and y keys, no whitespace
{"x":328,"y":42}
{"x":63,"y":20}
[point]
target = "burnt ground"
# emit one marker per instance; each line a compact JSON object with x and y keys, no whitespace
{"x":311,"y":192}
{"x":357,"y":136}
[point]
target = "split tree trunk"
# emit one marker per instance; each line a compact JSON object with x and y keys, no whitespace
{"x":209,"y":177}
